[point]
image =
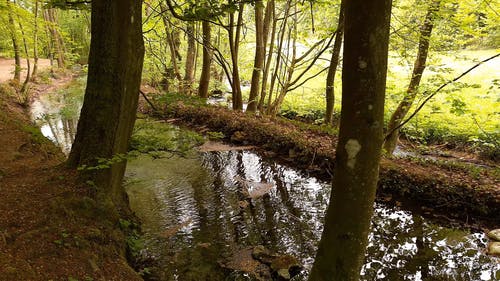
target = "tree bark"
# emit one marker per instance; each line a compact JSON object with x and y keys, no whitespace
{"x":269,"y":17}
{"x":332,"y":70}
{"x":15,"y":43}
{"x":234,"y":46}
{"x":58,"y":43}
{"x":260,"y":52}
{"x":342,"y":247}
{"x":110,"y":104}
{"x":24,"y":87}
{"x":190,"y":59}
{"x":35,"y":42}
{"x":207,"y":60}
{"x":399,"y":114}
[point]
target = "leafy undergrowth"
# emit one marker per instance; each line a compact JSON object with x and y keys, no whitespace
{"x":462,"y":192}
{"x":51,"y":227}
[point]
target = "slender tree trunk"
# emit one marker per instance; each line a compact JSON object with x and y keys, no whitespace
{"x":207,"y":60}
{"x":24,"y":88}
{"x":234,"y":45}
{"x":190,"y":59}
{"x":58,"y":43}
{"x":35,"y":42}
{"x":277,"y":65}
{"x":260,"y":52}
{"x":270,"y":16}
{"x":15,"y":44}
{"x":110,"y":104}
{"x":332,"y":70}
{"x":173,"y":42}
{"x":342,"y":247}
{"x":397,"y":117}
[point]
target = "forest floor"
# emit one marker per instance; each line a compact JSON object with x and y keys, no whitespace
{"x":50,"y":227}
{"x":452,"y":187}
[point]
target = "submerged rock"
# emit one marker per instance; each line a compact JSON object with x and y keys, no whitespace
{"x":494,"y":248}
{"x":263,"y":255}
{"x":262,"y":264}
{"x":494,"y":235}
{"x":285,"y":267}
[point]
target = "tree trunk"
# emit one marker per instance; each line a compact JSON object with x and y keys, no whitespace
{"x":190,"y":59}
{"x":24,"y":88}
{"x":234,"y":45}
{"x":15,"y":44}
{"x":260,"y":52}
{"x":270,"y":17}
{"x":391,"y":139}
{"x":277,"y":64}
{"x":110,"y":104}
{"x":332,"y":70}
{"x":342,"y":247}
{"x":207,"y":60}
{"x":58,"y":43}
{"x":35,"y":42}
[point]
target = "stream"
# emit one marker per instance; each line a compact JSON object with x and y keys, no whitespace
{"x":193,"y":217}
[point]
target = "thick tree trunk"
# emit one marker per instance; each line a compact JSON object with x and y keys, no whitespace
{"x":110,"y":104}
{"x":190,"y":59}
{"x":342,"y":247}
{"x":260,"y":52}
{"x":15,"y":43}
{"x":207,"y":60}
{"x":332,"y":70}
{"x":391,"y":139}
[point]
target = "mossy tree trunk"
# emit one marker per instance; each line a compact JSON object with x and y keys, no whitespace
{"x":401,"y":111}
{"x":110,"y":103}
{"x":342,"y":247}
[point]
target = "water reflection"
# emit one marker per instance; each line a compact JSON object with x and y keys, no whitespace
{"x":192,"y":216}
{"x":57,"y":114}
{"x":201,"y":195}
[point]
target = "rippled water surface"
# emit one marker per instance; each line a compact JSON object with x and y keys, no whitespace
{"x":201,"y":194}
{"x":192,"y":218}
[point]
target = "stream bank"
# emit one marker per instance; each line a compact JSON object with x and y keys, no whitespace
{"x":459,"y":194}
{"x":205,"y":211}
{"x":50,"y":227}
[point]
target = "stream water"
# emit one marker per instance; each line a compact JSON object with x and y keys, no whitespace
{"x":193,"y":219}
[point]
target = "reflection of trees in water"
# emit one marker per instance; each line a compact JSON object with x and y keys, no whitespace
{"x":403,"y":246}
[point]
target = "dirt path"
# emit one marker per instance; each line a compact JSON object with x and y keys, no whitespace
{"x":50,"y":227}
{"x":7,"y":67}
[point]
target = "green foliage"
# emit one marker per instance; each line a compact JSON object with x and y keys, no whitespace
{"x":104,"y":163}
{"x":215,"y":135}
{"x":36,"y":135}
{"x":171,"y":98}
{"x":155,"y":136}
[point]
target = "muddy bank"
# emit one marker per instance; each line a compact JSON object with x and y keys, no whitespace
{"x":51,"y":228}
{"x":455,"y":193}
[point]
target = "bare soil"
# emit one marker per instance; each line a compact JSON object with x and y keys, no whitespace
{"x":7,"y":67}
{"x":50,"y":226}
